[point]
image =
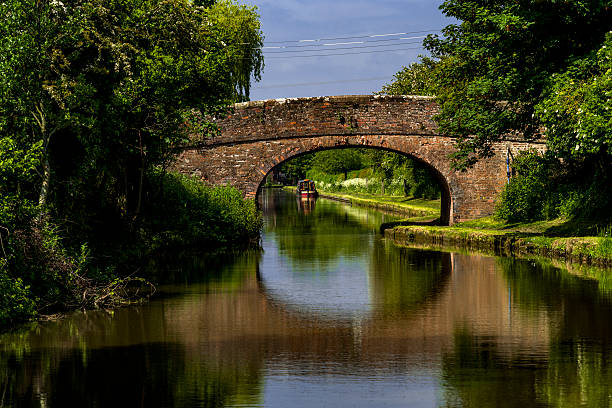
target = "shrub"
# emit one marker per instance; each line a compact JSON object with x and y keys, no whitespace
{"x":189,"y":213}
{"x":16,"y":300}
{"x":524,"y":196}
{"x":546,"y":188}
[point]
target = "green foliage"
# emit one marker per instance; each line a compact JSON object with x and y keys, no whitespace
{"x":239,"y":27}
{"x":577,"y":108}
{"x":337,"y":161}
{"x":415,"y":79}
{"x":18,"y":176}
{"x":402,"y":175}
{"x":363,"y":170}
{"x":495,"y":64}
{"x":16,"y":302}
{"x":94,"y":97}
{"x":188,"y":213}
{"x":521,"y":199}
{"x":297,"y":167}
{"x":545,"y":188}
{"x":90,"y":80}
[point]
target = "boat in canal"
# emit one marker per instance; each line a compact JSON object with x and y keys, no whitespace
{"x":306,"y":188}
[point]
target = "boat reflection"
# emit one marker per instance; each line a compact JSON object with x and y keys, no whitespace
{"x":306,"y":205}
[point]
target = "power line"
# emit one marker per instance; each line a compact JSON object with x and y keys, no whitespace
{"x":345,"y":43}
{"x":343,"y":53}
{"x":340,"y":48}
{"x":356,"y":37}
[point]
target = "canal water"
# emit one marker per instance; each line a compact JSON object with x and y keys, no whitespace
{"x":329,"y":314}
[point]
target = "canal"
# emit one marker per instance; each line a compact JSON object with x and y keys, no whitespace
{"x":329,"y":314}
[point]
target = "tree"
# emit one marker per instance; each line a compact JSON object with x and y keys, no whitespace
{"x":103,"y":89}
{"x":495,"y":65}
{"x":337,"y":161}
{"x":297,"y":167}
{"x":95,"y":97}
{"x":576,"y":109}
{"x":415,"y":79}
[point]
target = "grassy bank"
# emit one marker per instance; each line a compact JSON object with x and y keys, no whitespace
{"x":574,"y":241}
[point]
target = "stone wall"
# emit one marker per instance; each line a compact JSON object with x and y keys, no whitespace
{"x":257,"y":136}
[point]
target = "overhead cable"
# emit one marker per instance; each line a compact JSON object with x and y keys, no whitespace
{"x":341,"y":81}
{"x":339,"y":48}
{"x":344,"y":43}
{"x":343,"y":53}
{"x":355,"y":37}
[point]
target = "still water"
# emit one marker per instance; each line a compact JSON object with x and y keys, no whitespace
{"x":328,"y":315}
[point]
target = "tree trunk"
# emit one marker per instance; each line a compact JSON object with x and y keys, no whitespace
{"x":141,"y":181}
{"x":382,"y":187}
{"x":39,"y":116}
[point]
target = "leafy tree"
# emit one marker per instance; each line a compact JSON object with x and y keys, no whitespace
{"x":337,"y":161}
{"x":238,"y":27}
{"x":494,"y":66}
{"x":91,"y":80}
{"x":577,"y":107}
{"x":297,"y":167}
{"x":415,"y":79}
{"x":95,"y":95}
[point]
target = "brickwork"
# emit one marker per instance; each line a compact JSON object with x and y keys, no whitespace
{"x":257,"y":136}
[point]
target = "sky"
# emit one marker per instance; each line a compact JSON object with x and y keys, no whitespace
{"x":292,"y":74}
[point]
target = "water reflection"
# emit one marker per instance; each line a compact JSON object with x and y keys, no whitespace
{"x":330,"y":314}
{"x":306,"y":205}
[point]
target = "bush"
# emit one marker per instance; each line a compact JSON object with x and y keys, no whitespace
{"x":545,"y":188}
{"x":189,"y":213}
{"x":16,"y":300}
{"x":523,"y":198}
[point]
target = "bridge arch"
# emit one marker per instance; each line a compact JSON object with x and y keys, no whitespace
{"x":257,"y":136}
{"x":445,"y":189}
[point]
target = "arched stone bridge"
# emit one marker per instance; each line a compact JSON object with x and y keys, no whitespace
{"x":259,"y":135}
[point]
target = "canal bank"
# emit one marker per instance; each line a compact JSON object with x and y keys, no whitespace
{"x":562,"y":240}
{"x":526,"y":240}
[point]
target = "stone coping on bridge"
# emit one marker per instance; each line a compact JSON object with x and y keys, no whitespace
{"x":332,"y":99}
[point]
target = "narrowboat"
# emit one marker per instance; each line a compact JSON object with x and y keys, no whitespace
{"x":306,"y":188}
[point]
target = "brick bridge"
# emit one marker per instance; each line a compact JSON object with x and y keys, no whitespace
{"x":259,"y":135}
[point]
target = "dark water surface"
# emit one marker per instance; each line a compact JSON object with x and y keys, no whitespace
{"x":329,"y":315}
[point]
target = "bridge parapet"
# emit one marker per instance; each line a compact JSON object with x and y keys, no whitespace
{"x":329,"y":116}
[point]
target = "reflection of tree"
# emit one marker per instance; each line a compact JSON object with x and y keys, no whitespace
{"x":579,"y":375}
{"x":227,"y":268}
{"x":583,"y":308}
{"x":577,"y":371}
{"x":131,"y":357}
{"x":476,"y":375}
{"x":403,"y":278}
{"x":148,"y":375}
{"x":580,"y":360}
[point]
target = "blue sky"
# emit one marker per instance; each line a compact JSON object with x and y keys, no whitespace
{"x":287,"y":20}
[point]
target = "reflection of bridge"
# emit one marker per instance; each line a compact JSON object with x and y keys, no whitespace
{"x":257,"y":136}
{"x":255,"y":325}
